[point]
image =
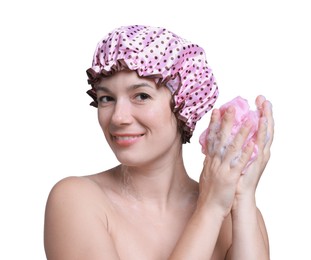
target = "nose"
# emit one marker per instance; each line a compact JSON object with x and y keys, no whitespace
{"x":121,"y":114}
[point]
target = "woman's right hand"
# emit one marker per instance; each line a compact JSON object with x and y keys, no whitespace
{"x":224,"y":162}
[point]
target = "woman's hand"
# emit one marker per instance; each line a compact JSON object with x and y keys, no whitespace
{"x":224,"y":162}
{"x":248,"y":182}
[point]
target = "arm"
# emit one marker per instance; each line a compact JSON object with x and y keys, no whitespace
{"x":200,"y":235}
{"x":250,"y":239}
{"x":218,"y":184}
{"x":73,"y":228}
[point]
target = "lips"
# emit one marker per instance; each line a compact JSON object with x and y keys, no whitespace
{"x":126,"y":139}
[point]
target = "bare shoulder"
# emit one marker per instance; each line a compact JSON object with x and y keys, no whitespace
{"x":75,"y":218}
{"x":70,"y":186}
{"x":81,"y":195}
{"x":74,"y":186}
{"x":80,"y":189}
{"x":71,"y":193}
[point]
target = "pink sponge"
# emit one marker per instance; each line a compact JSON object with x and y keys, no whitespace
{"x":242,"y":113}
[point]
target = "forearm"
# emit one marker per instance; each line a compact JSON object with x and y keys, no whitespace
{"x":249,"y":239}
{"x":199,"y":237}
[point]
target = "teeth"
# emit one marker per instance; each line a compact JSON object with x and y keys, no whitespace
{"x":126,"y":137}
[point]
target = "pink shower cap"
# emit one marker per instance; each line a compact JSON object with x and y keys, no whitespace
{"x":157,"y":53}
{"x":242,"y":113}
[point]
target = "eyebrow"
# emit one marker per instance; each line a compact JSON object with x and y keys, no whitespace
{"x":134,"y":86}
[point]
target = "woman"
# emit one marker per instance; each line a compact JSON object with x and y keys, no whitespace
{"x":151,"y":87}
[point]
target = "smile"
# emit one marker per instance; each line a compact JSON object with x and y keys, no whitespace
{"x":127,"y":137}
{"x":126,"y":140}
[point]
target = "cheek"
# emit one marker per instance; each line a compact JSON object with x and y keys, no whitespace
{"x":164,"y":118}
{"x":102,"y":120}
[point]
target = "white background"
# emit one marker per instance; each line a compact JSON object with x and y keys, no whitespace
{"x":48,"y":130}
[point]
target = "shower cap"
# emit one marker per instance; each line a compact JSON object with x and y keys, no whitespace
{"x":157,"y":53}
{"x":242,"y":114}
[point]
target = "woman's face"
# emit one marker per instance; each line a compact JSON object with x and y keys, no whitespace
{"x":136,"y":118}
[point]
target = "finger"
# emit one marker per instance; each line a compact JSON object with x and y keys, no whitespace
{"x":241,"y":162}
{"x":224,"y":134}
{"x":213,"y":130}
{"x":259,"y":102}
{"x":262,"y":134}
{"x":268,"y":113}
{"x":235,"y":148}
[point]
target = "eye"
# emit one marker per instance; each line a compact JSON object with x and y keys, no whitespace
{"x":142,"y":96}
{"x":105,"y":99}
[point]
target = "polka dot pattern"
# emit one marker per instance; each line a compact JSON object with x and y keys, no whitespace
{"x":157,"y":53}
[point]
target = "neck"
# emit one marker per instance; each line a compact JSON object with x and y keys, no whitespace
{"x":156,"y":185}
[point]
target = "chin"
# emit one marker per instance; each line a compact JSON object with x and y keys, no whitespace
{"x":130,"y":158}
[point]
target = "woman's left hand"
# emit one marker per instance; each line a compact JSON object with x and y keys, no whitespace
{"x":248,"y":182}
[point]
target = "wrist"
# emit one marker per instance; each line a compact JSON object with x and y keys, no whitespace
{"x":211,"y":210}
{"x":244,"y":203}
